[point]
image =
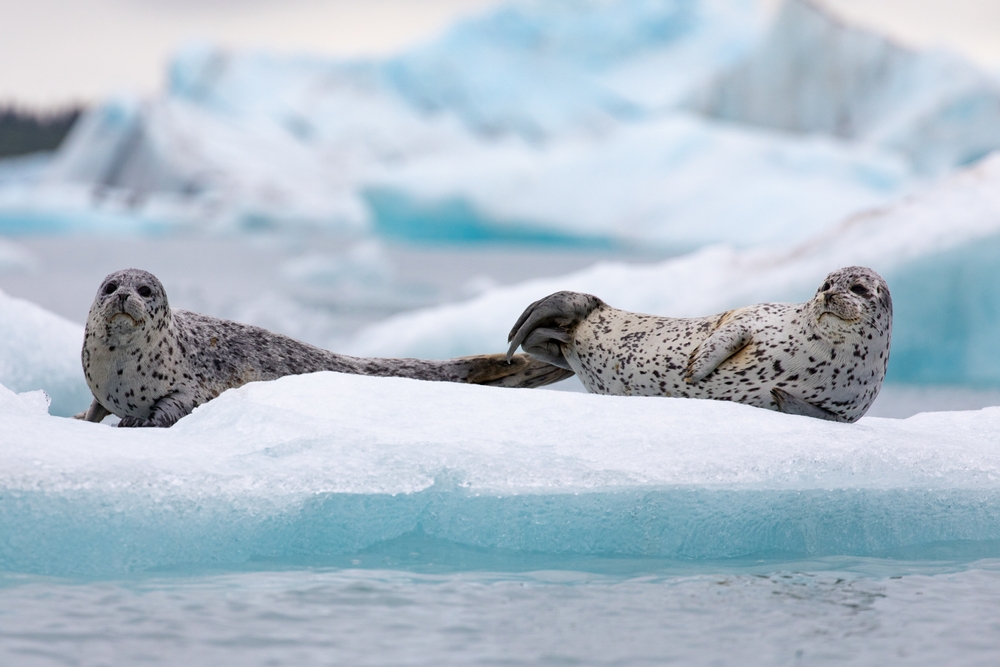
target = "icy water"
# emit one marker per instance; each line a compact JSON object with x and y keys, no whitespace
{"x":835,"y":612}
{"x":394,"y":606}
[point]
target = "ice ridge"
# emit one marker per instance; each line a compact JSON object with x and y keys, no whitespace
{"x":814,"y":73}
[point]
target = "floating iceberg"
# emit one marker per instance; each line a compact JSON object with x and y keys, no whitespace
{"x":313,"y":468}
{"x":40,"y":350}
{"x":813,"y":73}
{"x":540,"y":122}
{"x":545,"y":69}
{"x":677,"y":182}
{"x":939,"y":251}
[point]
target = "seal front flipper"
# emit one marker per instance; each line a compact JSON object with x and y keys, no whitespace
{"x":724,"y":342}
{"x":548,"y":324}
{"x":95,"y":413}
{"x":166,"y":411}
{"x":791,"y":405}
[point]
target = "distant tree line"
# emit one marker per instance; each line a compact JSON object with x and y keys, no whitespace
{"x":29,"y":131}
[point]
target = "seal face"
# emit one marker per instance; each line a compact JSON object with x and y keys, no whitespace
{"x":151,"y":365}
{"x":825,"y":358}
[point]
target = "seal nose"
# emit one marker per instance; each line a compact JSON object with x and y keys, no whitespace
{"x":122,"y":298}
{"x":827,"y":297}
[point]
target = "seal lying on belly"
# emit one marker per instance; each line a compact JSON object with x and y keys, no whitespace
{"x":825,"y":358}
{"x":151,"y":365}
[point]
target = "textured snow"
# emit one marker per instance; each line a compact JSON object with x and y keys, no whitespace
{"x":813,"y":73}
{"x":938,"y":250}
{"x":315,"y":466}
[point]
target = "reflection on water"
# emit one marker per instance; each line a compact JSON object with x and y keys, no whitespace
{"x":355,"y":617}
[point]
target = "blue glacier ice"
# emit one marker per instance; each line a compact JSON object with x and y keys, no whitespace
{"x":321,"y":468}
{"x":540,"y":122}
{"x":814,"y":73}
{"x":547,"y":68}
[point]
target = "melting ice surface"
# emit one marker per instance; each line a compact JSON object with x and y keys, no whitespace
{"x":313,"y":469}
{"x":377,"y":521}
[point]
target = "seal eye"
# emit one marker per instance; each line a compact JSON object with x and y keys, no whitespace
{"x":859,"y":289}
{"x":825,"y":286}
{"x":144,"y":291}
{"x":110,"y":288}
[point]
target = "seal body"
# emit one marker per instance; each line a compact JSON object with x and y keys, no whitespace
{"x":151,"y":365}
{"x":825,"y":358}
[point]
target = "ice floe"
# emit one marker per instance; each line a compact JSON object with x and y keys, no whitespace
{"x":312,"y":467}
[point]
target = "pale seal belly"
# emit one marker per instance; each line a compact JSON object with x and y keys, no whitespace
{"x":825,"y":358}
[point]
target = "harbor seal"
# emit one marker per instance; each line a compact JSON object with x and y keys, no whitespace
{"x":825,"y":358}
{"x":151,"y":365}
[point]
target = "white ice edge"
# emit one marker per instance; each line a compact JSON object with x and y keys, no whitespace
{"x":307,"y":468}
{"x":334,"y":433}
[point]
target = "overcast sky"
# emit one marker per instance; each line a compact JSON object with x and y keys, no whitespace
{"x":56,"y":52}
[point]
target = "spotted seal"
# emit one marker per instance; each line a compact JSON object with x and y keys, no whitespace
{"x":825,"y":358}
{"x":151,"y":365}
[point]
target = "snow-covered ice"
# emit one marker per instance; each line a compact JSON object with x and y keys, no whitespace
{"x":41,"y":351}
{"x":322,"y":465}
{"x":677,"y":181}
{"x":814,"y":73}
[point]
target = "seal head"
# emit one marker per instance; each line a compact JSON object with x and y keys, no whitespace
{"x":129,"y":304}
{"x":850,"y":297}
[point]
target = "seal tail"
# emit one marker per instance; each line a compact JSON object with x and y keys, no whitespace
{"x":792,"y":405}
{"x":547,"y":324}
{"x":486,"y":369}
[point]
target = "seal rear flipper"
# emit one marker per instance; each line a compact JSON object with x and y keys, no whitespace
{"x":791,"y":405}
{"x":724,"y":342}
{"x":548,"y":323}
{"x":521,"y":371}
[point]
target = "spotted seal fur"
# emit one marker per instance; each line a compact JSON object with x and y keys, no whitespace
{"x":151,"y":365}
{"x":825,"y":358}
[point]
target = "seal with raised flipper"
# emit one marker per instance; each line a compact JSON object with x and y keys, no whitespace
{"x":825,"y":358}
{"x":151,"y":365}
